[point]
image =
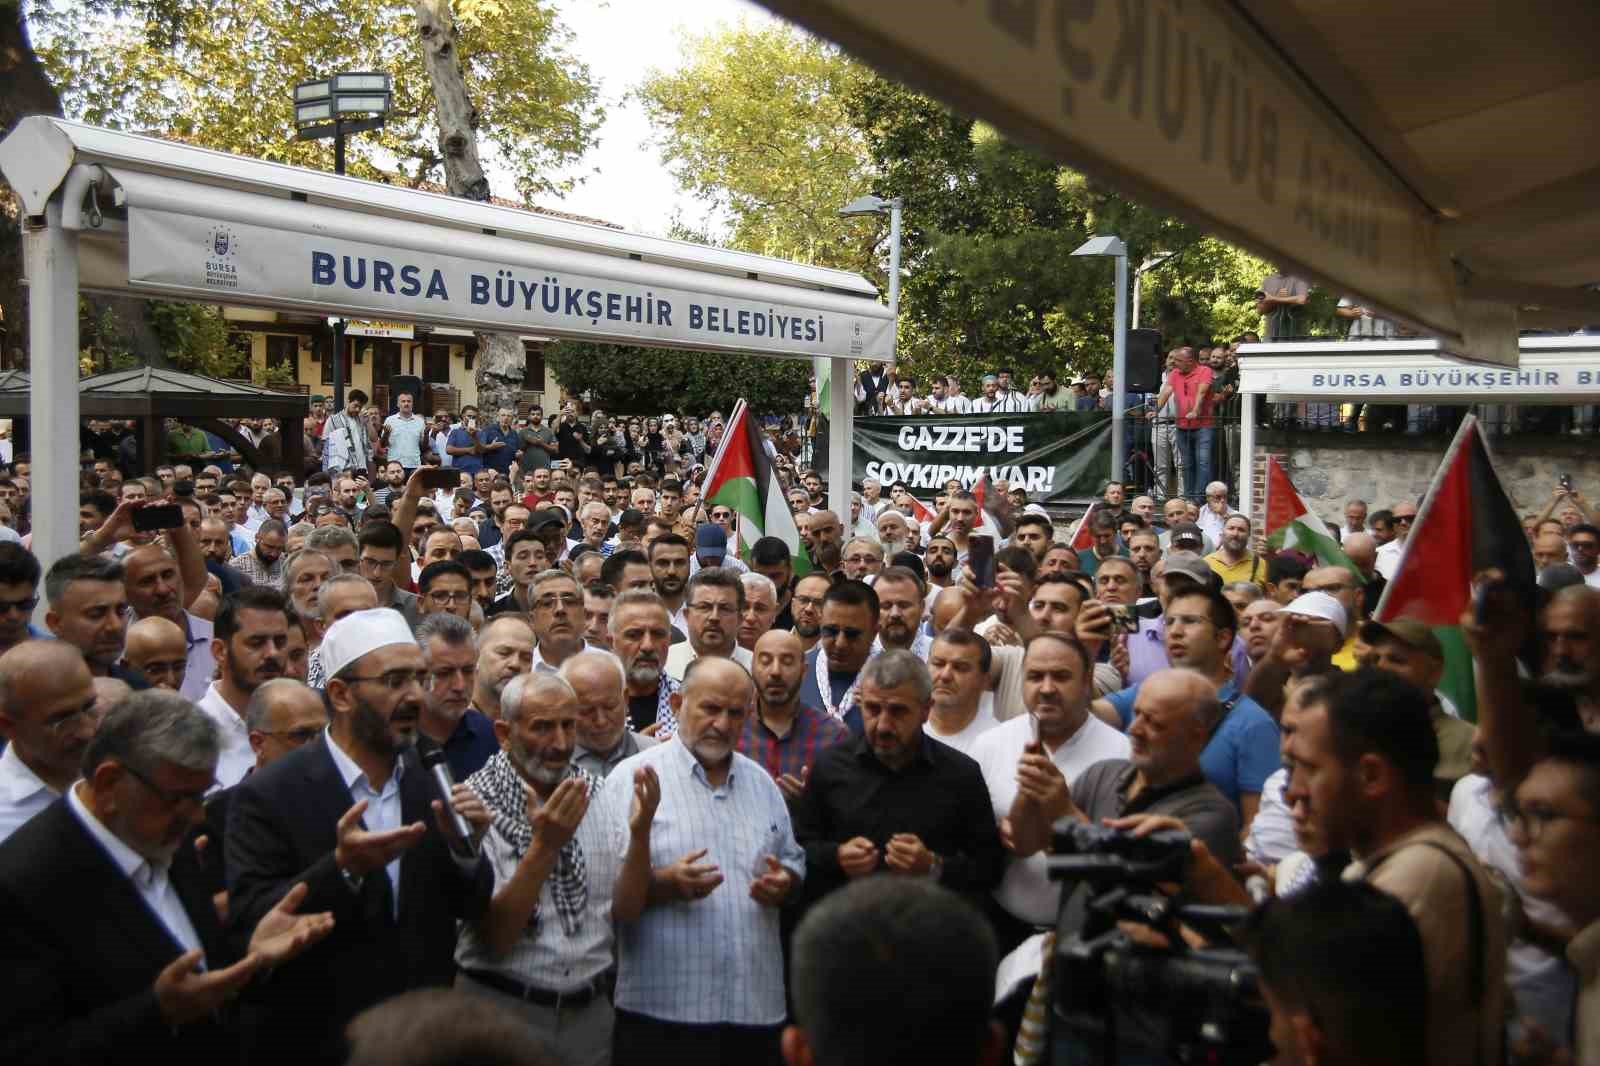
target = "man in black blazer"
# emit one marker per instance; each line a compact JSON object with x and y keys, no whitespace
{"x":354,"y":816}
{"x":110,"y":949}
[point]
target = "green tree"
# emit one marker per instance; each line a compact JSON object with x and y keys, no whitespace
{"x":753,"y":121}
{"x":221,"y":75}
{"x":631,"y":380}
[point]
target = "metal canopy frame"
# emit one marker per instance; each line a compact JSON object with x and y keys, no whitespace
{"x":74,"y":180}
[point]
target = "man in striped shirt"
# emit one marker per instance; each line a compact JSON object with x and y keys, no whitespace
{"x":784,"y":735}
{"x":700,"y":966}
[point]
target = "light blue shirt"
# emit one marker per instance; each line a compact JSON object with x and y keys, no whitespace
{"x":715,"y":960}
{"x":383,"y":808}
{"x":405,"y":438}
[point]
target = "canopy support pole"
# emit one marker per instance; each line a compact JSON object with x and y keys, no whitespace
{"x":1247,"y":453}
{"x":51,"y":252}
{"x":841,"y":427}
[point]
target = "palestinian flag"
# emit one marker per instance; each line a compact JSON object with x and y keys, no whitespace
{"x":921,"y":511}
{"x":987,"y":523}
{"x":1466,"y":524}
{"x":1082,"y":536}
{"x":741,"y":477}
{"x":1291,"y":524}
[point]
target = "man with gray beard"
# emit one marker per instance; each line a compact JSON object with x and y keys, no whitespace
{"x":641,"y":633}
{"x":1571,"y":630}
{"x":544,"y":946}
{"x":893,"y":533}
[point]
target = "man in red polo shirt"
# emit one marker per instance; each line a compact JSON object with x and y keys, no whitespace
{"x":1188,"y":385}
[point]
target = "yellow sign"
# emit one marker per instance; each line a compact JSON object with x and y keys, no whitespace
{"x":377,"y":327}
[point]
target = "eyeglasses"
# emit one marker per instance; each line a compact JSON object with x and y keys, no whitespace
{"x":1577,"y":545}
{"x":25,"y":606}
{"x":554,"y":600}
{"x":449,"y":597}
{"x":715,"y":610}
{"x":297,"y":737}
{"x":168,"y":796}
{"x":1529,"y":821}
{"x":848,"y":632}
{"x":395,"y":680}
{"x":1406,"y":518}
{"x":374,"y":565}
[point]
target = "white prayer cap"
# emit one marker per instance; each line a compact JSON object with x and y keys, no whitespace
{"x":356,"y":634}
{"x":1318,"y":605}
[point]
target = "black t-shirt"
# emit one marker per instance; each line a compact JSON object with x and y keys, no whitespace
{"x":642,"y":710}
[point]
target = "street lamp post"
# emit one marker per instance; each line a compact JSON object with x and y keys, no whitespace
{"x":330,"y":107}
{"x":1113,"y":246}
{"x":843,"y":375}
{"x":1149,"y":264}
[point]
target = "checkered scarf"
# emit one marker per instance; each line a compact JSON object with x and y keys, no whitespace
{"x":506,"y":795}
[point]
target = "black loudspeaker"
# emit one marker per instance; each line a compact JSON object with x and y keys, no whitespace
{"x":405,"y":383}
{"x":1144,"y":361}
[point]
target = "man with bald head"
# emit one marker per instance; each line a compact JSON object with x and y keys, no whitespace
{"x":1362,"y":550}
{"x":785,"y":735}
{"x":826,"y":529}
{"x":545,"y":944}
{"x":47,"y":717}
{"x":505,"y":649}
{"x":1174,"y":714}
{"x":723,"y":829}
{"x":155,"y":647}
{"x":599,"y":681}
{"x":1549,"y":548}
{"x":155,"y":589}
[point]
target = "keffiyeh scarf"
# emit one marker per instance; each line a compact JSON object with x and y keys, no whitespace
{"x":506,"y":795}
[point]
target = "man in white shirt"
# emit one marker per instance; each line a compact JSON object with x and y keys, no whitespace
{"x":962,"y":707}
{"x":713,"y":602}
{"x":46,"y":701}
{"x":545,"y":945}
{"x":250,"y":643}
{"x":1029,"y":764}
{"x":955,"y":402}
{"x":1405,"y":514}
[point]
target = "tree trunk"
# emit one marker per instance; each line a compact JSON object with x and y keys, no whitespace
{"x":502,"y":362}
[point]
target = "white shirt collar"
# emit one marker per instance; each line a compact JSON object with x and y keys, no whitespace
{"x":18,"y":783}
{"x":133,"y":865}
{"x":349,"y":771}
{"x":222,"y":712}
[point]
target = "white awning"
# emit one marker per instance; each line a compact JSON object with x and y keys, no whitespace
{"x":1552,"y":370}
{"x":207,"y":226}
{"x":1434,"y":158}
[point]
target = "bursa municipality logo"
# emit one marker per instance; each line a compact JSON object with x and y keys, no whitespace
{"x":221,"y":258}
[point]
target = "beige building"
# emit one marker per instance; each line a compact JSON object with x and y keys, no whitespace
{"x":443,"y":358}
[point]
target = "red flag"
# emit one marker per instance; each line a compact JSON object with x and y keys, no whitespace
{"x":1082,"y":536}
{"x":920,"y":511}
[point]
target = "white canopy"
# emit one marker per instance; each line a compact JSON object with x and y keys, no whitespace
{"x":1431,"y":157}
{"x":1551,"y":370}
{"x":120,"y":212}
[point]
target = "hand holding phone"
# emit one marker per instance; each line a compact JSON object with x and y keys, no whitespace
{"x":980,"y":560}
{"x":152,"y":517}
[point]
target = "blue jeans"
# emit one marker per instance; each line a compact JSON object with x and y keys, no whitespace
{"x":1194,"y":460}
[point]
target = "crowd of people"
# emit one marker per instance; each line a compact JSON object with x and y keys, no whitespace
{"x":527,"y":740}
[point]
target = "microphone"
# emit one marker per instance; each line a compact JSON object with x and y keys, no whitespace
{"x":460,"y":837}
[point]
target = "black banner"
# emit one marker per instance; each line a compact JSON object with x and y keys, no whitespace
{"x":1057,"y":458}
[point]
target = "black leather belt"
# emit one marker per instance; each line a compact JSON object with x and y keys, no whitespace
{"x":543,"y":997}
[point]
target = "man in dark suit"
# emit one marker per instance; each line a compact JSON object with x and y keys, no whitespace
{"x":110,"y":950}
{"x":874,"y":382}
{"x":349,"y":814}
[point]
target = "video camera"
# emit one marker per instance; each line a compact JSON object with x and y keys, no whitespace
{"x":1124,"y":1002}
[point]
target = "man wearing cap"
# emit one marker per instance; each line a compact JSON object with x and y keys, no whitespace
{"x":1342,"y":585}
{"x":711,"y":549}
{"x":1243,"y":750}
{"x":1185,"y":536}
{"x":1409,"y":649}
{"x":355,"y":816}
{"x":1310,"y":629}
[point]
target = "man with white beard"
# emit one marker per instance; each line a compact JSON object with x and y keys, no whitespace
{"x":893,"y":533}
{"x":543,"y":948}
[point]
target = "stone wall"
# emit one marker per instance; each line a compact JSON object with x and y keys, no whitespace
{"x":1328,"y":469}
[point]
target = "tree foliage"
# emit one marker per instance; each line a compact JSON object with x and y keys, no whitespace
{"x":631,"y":380}
{"x":221,"y":75}
{"x":753,"y":121}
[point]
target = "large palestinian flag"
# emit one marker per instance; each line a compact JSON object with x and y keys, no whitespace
{"x":1466,"y":525}
{"x":742,"y":478}
{"x":1292,"y":525}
